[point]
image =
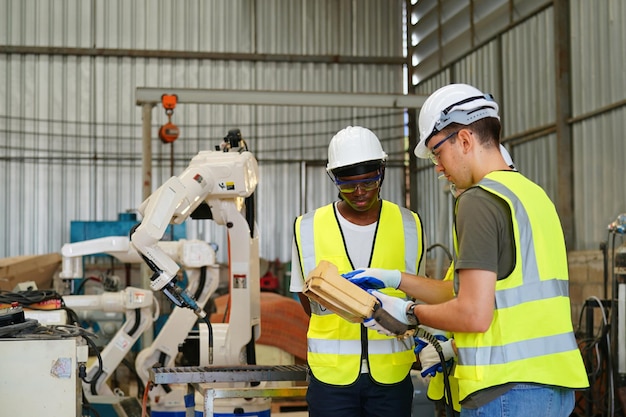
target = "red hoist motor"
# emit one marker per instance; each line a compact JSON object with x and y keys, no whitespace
{"x":169,"y":132}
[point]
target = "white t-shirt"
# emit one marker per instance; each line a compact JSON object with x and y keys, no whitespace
{"x":359,"y":241}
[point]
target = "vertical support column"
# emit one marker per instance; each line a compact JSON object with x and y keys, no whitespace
{"x":146,"y":167}
{"x":564,"y":153}
{"x":146,"y":157}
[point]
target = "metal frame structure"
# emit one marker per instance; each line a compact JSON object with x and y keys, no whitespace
{"x":148,"y":98}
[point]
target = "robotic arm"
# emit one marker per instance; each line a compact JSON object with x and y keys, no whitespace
{"x":211,"y":177}
{"x":196,"y":257}
{"x":136,"y":303}
{"x":222,"y":181}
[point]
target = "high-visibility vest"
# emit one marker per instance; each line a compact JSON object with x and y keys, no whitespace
{"x":530,"y":338}
{"x":335,"y":345}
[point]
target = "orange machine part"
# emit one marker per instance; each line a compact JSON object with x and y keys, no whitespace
{"x":283,"y":323}
{"x":169,"y":101}
{"x":169,"y":132}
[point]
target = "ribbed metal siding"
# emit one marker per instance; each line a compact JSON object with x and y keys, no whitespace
{"x":518,"y":70}
{"x":518,"y":67}
{"x":528,"y":99}
{"x":444,"y":31}
{"x":598,"y":82}
{"x":73,"y":130}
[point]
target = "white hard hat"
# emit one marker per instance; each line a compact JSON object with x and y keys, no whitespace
{"x":454,"y":103}
{"x":354,"y":145}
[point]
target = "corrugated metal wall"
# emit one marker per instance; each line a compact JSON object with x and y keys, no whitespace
{"x":509,"y":50}
{"x":599,"y":100}
{"x":70,"y":129}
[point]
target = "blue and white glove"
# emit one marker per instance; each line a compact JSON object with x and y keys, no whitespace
{"x":429,"y":357}
{"x":393,"y":305}
{"x":374,"y":278}
{"x":372,"y":324}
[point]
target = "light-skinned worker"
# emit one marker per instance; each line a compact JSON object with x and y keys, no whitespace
{"x":508,"y":305}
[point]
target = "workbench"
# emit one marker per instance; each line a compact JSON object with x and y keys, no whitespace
{"x":200,"y":379}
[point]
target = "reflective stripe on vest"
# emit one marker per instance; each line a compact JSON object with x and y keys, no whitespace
{"x":533,"y":289}
{"x":353,"y":347}
{"x":410,"y":235}
{"x":500,"y":354}
{"x":335,"y":344}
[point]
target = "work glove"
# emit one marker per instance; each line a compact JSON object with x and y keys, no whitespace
{"x":429,"y":357}
{"x":374,"y":278}
{"x":394,"y":306}
{"x":372,"y":324}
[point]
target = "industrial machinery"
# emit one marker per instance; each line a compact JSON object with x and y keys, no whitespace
{"x":197,"y":258}
{"x":216,"y":185}
{"x":618,"y":295}
{"x":44,"y":365}
{"x":137,"y":305}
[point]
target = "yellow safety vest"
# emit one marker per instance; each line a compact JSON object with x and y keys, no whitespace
{"x":334,"y":344}
{"x":531,"y":337}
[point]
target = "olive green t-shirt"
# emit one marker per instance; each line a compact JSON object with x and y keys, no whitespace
{"x":485,"y":231}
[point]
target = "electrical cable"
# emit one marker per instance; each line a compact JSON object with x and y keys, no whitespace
{"x":94,"y":381}
{"x":144,"y":402}
{"x":598,"y":370}
{"x":439,"y":245}
{"x":83,"y":282}
{"x":87,"y":407}
{"x":198,"y":294}
{"x":60,"y":155}
{"x":29,"y":297}
{"x":133,"y":330}
{"x":208,"y":323}
{"x":422,"y":333}
{"x":163,"y":361}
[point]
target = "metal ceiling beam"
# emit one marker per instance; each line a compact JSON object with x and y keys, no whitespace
{"x":147,"y":95}
{"x":199,"y":55}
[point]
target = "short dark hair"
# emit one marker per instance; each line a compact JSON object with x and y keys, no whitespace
{"x":487,"y":129}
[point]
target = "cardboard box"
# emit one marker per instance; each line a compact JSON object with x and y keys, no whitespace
{"x":331,"y":290}
{"x":37,"y":268}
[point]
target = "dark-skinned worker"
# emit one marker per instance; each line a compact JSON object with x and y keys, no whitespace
{"x":355,"y":371}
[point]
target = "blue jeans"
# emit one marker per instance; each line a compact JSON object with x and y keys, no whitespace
{"x":527,"y":400}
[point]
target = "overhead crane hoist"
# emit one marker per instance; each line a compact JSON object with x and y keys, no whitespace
{"x":169,"y":132}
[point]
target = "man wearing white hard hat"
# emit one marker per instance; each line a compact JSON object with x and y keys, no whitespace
{"x":355,"y":371}
{"x":508,"y":304}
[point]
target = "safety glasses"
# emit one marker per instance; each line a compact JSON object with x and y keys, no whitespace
{"x":434,"y":157}
{"x":366,"y":184}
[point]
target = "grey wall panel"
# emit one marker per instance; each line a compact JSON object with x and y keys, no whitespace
{"x":600,"y":189}
{"x":528,"y":75}
{"x":71,"y":130}
{"x":509,"y":68}
{"x":598,"y":88}
{"x":480,"y":69}
{"x":446,"y":30}
{"x":538,"y":161}
{"x":598,"y":57}
{"x":522,"y":58}
{"x":432,"y":202}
